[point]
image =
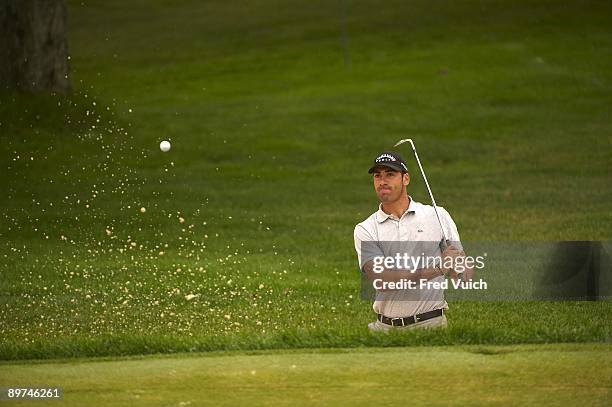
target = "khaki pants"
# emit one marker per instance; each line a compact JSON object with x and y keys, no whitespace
{"x":437,"y":322}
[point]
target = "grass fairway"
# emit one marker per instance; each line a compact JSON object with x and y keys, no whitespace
{"x":245,"y":239}
{"x":552,"y":375}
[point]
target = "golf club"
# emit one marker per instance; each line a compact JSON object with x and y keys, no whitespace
{"x":433,"y":201}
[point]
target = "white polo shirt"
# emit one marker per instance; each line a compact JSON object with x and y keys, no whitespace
{"x":418,"y":224}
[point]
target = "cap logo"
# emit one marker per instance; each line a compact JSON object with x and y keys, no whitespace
{"x":384,"y":158}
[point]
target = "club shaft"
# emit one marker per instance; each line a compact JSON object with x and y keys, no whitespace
{"x":433,"y":201}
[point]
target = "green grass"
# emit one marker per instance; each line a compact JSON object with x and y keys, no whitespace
{"x":272,"y":134}
{"x":563,"y":375}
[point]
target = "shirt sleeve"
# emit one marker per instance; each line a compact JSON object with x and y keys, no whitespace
{"x":450,"y":228}
{"x":366,"y":246}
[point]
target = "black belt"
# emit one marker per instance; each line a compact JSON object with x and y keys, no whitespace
{"x":410,"y":320}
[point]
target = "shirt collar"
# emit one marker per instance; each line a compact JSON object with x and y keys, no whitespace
{"x":381,"y":216}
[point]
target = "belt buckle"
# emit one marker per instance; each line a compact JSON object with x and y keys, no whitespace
{"x":395,"y":319}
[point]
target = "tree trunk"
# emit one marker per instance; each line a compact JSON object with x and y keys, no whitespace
{"x":34,"y":46}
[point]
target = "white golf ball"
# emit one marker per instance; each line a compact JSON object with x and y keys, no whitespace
{"x":164,"y":146}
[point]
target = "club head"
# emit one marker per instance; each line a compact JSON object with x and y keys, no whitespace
{"x":406,"y":140}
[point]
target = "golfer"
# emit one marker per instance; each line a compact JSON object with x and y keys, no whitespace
{"x":402,"y":226}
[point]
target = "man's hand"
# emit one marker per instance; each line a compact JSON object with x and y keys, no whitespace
{"x":453,"y":253}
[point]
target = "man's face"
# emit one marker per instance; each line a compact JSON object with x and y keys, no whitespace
{"x":390,"y":184}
